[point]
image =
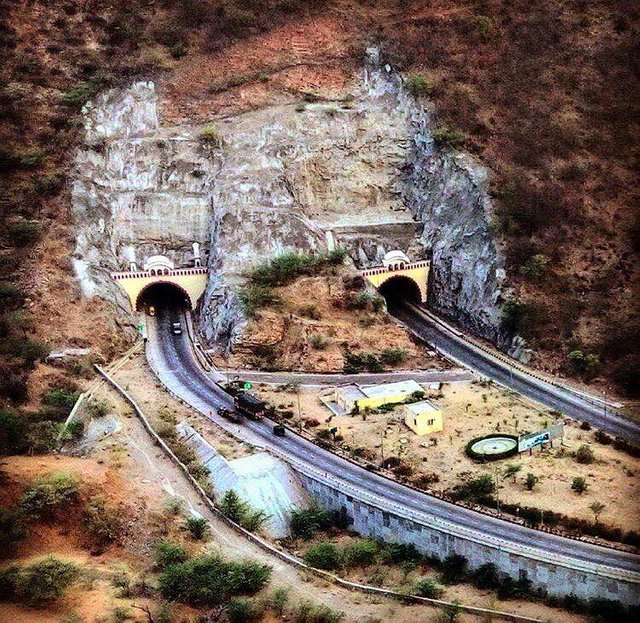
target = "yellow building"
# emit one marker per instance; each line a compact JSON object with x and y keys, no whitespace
{"x":423,"y":418}
{"x":352,"y":398}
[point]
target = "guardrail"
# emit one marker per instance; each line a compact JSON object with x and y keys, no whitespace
{"x":285,"y":556}
{"x":512,"y":363}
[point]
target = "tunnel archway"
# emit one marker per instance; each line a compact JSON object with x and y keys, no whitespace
{"x":398,"y":289}
{"x":162,"y":294}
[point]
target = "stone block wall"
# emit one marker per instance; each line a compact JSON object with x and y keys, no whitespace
{"x":554,"y":579}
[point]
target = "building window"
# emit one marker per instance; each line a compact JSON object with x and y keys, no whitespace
{"x":415,"y":421}
{"x":431,"y":422}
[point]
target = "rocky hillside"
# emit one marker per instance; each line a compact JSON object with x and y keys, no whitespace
{"x":541,"y":94}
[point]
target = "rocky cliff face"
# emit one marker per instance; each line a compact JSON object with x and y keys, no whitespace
{"x":136,"y":187}
{"x":361,"y":172}
{"x":447,"y":193}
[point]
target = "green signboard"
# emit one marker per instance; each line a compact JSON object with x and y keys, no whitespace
{"x":247,"y":385}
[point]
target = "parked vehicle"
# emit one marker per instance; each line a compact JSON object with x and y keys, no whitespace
{"x":152,"y":310}
{"x":250,"y":405}
{"x":279,"y":430}
{"x":176,"y":328}
{"x":230,"y":415}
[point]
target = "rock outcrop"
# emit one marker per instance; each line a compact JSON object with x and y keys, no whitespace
{"x":362,"y":172}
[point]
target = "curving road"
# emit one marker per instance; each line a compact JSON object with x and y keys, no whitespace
{"x":173,"y":361}
{"x":552,"y":396}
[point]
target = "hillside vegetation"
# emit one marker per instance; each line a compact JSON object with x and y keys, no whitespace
{"x":542,"y":92}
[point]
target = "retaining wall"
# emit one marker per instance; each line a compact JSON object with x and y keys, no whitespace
{"x":554,"y":579}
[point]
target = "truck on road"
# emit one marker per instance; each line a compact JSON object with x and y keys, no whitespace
{"x":250,"y":405}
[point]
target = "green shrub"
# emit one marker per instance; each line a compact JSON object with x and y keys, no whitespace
{"x":23,"y":233}
{"x":8,"y":581}
{"x":535,"y":266}
{"x":253,"y":297}
{"x":102,"y":520}
{"x":79,"y":95}
{"x":50,"y":493}
{"x":307,"y":612}
{"x":43,"y":437}
{"x":211,"y":135}
{"x":486,"y":576}
{"x":121,"y":579}
{"x":73,"y":430}
{"x":579,"y":485}
{"x":417,"y":84}
{"x":531,"y":481}
{"x":485,"y":26}
{"x":58,"y":403}
{"x":241,"y":512}
{"x":393,"y":357}
{"x":306,"y":522}
{"x":580,"y":362}
{"x":310,"y":310}
{"x":453,"y":569}
{"x":198,"y":527}
{"x":278,"y":599}
{"x":210,"y":579}
{"x":243,"y":610}
{"x":97,"y":408}
{"x":164,"y":613}
{"x":13,"y":432}
{"x":285,"y":268}
{"x":168,"y":553}
{"x":324,"y":555}
{"x":49,"y":184}
{"x":29,"y":350}
{"x":319,"y":341}
{"x":45,"y":580}
{"x":361,"y":553}
{"x":584,"y":454}
{"x":451,"y":138}
{"x":398,"y":553}
{"x":428,"y":587}
{"x":513,"y":589}
{"x":178,"y":50}
{"x":120,"y":614}
{"x":13,"y":528}
{"x":511,"y":316}
{"x":32,"y":158}
{"x":476,"y":490}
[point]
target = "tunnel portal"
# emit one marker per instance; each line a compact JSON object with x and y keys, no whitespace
{"x":163,"y":294}
{"x":398,"y":289}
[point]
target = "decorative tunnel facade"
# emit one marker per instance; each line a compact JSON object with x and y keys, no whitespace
{"x":399,"y":279}
{"x":188,"y":284}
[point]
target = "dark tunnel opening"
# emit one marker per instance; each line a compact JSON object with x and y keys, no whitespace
{"x":163,"y":295}
{"x":399,"y":289}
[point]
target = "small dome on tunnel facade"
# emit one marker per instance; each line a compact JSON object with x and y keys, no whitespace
{"x":395,"y":259}
{"x":159,"y":264}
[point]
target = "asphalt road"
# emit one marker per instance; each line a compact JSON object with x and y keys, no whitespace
{"x":549,"y":395}
{"x":176,"y":366}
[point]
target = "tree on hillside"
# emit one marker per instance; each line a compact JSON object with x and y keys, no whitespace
{"x":511,"y":471}
{"x":597,"y":508}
